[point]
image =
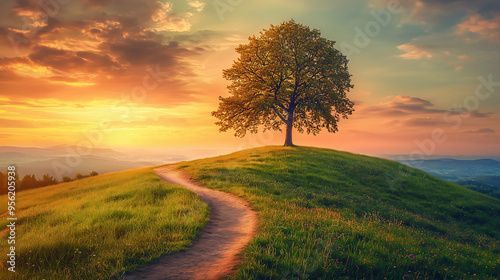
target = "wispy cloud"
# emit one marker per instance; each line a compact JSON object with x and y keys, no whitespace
{"x":481,"y":130}
{"x":414,"y":51}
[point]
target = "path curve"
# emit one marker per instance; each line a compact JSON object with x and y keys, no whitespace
{"x":215,"y":253}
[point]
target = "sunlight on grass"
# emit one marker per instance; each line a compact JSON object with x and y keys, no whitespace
{"x":326,"y":214}
{"x":100,"y":227}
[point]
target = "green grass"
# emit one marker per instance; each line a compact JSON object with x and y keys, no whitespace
{"x":99,"y":227}
{"x":326,"y":214}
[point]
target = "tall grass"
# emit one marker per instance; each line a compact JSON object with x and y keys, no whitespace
{"x":326,"y":214}
{"x":100,"y":227}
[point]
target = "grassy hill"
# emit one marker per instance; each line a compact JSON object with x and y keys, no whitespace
{"x":99,"y":227}
{"x":323,"y":214}
{"x":326,"y":214}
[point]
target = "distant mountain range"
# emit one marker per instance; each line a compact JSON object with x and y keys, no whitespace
{"x":403,"y":157}
{"x":40,"y":161}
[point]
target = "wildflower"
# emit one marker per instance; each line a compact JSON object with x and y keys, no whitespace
{"x":411,"y":256}
{"x":406,"y":276}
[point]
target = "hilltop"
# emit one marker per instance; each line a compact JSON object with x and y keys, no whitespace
{"x":326,"y":213}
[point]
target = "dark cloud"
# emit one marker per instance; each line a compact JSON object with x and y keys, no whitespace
{"x":23,"y":6}
{"x":380,"y":110}
{"x":476,"y":114}
{"x":481,"y":6}
{"x":421,"y":122}
{"x":482,"y":130}
{"x":96,"y":3}
{"x":73,"y":61}
{"x":135,"y":52}
{"x":403,"y":106}
{"x":409,"y":103}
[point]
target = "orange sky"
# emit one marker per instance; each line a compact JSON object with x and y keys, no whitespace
{"x":147,"y":74}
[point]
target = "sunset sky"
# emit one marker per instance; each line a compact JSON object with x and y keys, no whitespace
{"x":147,"y":74}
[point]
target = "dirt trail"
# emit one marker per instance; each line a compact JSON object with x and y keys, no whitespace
{"x":214,"y":254}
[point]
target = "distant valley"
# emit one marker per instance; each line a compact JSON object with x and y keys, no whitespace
{"x":479,"y":174}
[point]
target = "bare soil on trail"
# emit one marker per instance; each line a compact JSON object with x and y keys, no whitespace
{"x":216,"y":251}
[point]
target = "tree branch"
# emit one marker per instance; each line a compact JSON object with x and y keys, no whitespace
{"x":279,"y":115}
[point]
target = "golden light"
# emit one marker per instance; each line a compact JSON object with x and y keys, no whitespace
{"x":34,"y":71}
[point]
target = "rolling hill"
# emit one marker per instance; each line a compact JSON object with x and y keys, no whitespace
{"x":326,"y":214}
{"x":323,"y":214}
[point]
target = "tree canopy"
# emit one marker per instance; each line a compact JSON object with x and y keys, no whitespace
{"x":287,"y":76}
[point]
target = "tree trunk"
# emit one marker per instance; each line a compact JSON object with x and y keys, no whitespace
{"x":289,"y":129}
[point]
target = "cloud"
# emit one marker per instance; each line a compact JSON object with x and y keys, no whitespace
{"x":9,"y":102}
{"x":198,"y":5}
{"x":36,"y":123}
{"x":149,"y":52}
{"x":164,"y":121}
{"x":403,"y":105}
{"x":96,"y":3}
{"x":487,"y":29}
{"x":410,"y":104}
{"x":482,"y":130}
{"x":421,"y":122}
{"x":414,"y":51}
{"x":105,"y":53}
{"x":439,"y":13}
{"x":11,"y":123}
{"x":64,"y":61}
{"x":166,"y":20}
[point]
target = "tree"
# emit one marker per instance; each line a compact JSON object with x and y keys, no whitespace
{"x":289,"y":75}
{"x":3,"y":183}
{"x":29,"y":182}
{"x":48,"y":180}
{"x":66,"y":179}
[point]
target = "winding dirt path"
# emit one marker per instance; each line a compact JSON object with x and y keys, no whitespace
{"x":215,"y":253}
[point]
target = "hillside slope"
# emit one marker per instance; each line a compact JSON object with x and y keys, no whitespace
{"x":99,"y":227}
{"x":326,"y":214}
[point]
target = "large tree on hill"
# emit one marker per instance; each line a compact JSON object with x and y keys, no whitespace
{"x":287,"y":76}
